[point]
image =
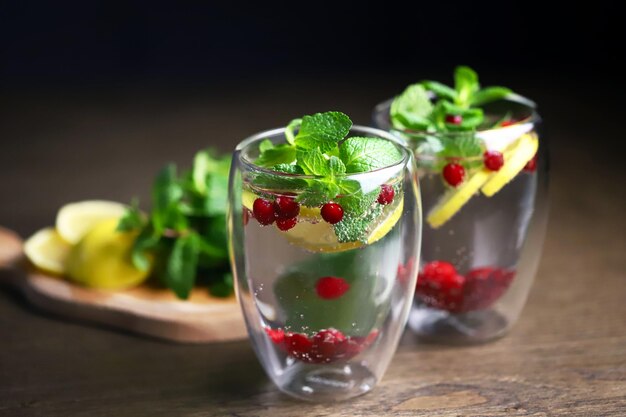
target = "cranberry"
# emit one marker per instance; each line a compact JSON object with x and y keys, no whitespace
{"x":440,"y":286}
{"x":276,"y":335}
{"x":330,"y":288}
{"x":531,"y":166}
{"x":327,"y":345}
{"x":484,"y":286}
{"x":386,"y":194}
{"x":493,"y":160}
{"x":286,"y":207}
{"x":298,"y":345}
{"x":263,"y":211}
{"x":453,"y":173}
{"x":508,"y":122}
{"x":286,"y":224}
{"x":454,"y":119}
{"x":332,"y":213}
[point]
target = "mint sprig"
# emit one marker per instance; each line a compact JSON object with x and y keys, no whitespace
{"x":316,"y":145}
{"x":185,"y":230}
{"x":428,"y":106}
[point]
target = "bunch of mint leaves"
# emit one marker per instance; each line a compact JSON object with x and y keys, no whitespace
{"x":316,"y":145}
{"x":185,"y":232}
{"x":415,"y":111}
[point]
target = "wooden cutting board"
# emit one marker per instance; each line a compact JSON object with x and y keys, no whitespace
{"x":144,"y":310}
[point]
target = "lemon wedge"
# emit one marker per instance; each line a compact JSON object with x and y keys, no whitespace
{"x":47,"y":251}
{"x":522,"y":152}
{"x":454,"y":199}
{"x":74,"y":220}
{"x":102,"y":258}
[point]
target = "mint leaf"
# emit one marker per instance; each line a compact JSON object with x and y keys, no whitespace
{"x":166,"y":192}
{"x":354,"y":229}
{"x":362,"y":154}
{"x":410,"y":110}
{"x":279,"y":154}
{"x":265,"y":145}
{"x":288,"y":169}
{"x":465,"y":84}
{"x":147,"y":241}
{"x":180,"y":274}
{"x":440,"y":90}
{"x":313,"y":162}
{"x":357,"y":204}
{"x":336,"y":166}
{"x":289,"y":131}
{"x":489,"y":94}
{"x":322,"y":130}
{"x":132,"y":219}
{"x":461,"y":148}
{"x":318,"y":192}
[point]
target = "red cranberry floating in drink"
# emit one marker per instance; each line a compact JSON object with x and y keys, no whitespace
{"x":386,"y":194}
{"x":330,"y":288}
{"x":453,"y":173}
{"x":286,"y":224}
{"x":298,"y":345}
{"x":493,"y":160}
{"x":263,"y":211}
{"x":286,"y":207}
{"x":332,"y":213}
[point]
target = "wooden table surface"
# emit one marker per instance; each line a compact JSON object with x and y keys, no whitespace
{"x":566,"y":356}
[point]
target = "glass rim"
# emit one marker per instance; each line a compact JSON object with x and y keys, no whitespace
{"x":373,"y":132}
{"x":384,"y":106}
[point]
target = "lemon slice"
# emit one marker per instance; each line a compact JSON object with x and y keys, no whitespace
{"x":319,"y":236}
{"x":454,"y":199}
{"x":47,"y":250}
{"x":74,"y":220}
{"x":314,"y":234}
{"x":520,"y":154}
{"x":102,"y":258}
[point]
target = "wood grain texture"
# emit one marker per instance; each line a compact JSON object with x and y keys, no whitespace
{"x":146,"y":310}
{"x":565,"y":357}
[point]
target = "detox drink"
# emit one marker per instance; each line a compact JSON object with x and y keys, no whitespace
{"x":318,"y":233}
{"x":481,"y":166}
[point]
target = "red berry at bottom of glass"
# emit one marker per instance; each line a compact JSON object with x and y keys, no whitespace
{"x":453,"y":173}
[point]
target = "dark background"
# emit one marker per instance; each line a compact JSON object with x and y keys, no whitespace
{"x":96,"y":96}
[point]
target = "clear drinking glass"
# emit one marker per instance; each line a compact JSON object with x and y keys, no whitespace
{"x":480,"y":253}
{"x":324,"y":317}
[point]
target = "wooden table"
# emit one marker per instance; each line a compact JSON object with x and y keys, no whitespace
{"x":566,"y":356}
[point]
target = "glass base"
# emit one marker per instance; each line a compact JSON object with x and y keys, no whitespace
{"x":431,"y":325}
{"x":328,"y":383}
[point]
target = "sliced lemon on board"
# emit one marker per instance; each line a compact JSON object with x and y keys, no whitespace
{"x":74,"y":220}
{"x":454,"y":199}
{"x":47,"y":250}
{"x":523,"y":151}
{"x":102,"y":258}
